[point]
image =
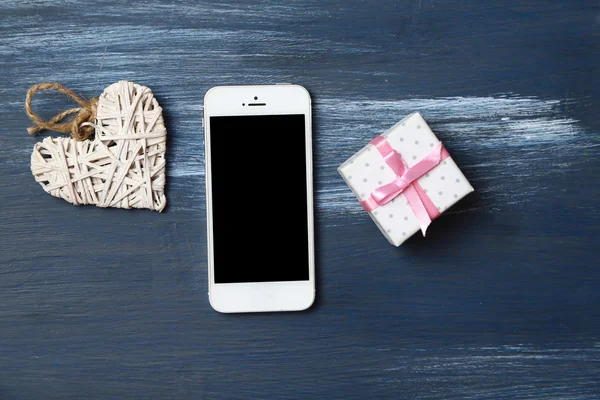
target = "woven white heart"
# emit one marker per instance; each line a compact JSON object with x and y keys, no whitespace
{"x":122,"y":167}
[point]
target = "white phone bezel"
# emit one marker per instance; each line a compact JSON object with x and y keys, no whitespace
{"x":259,"y":296}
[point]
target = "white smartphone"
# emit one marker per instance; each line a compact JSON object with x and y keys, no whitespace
{"x":259,"y":198}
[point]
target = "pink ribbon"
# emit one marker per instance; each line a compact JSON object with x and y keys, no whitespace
{"x":406,"y":182}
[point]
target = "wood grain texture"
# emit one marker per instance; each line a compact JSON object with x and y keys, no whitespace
{"x":499,"y":301}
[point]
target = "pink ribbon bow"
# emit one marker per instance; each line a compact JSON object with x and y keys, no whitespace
{"x":406,"y":182}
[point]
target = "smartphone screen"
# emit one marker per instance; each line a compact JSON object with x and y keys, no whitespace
{"x":259,"y":199}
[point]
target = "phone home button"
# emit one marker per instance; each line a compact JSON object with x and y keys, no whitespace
{"x":263,"y":298}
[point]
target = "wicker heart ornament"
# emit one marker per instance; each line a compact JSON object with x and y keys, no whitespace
{"x":123,"y":166}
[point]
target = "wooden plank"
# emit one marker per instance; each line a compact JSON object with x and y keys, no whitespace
{"x":499,"y":301}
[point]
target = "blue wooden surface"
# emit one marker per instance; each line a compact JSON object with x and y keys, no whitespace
{"x":499,"y":301}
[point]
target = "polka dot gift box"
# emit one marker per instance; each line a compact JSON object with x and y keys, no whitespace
{"x":404,"y":179}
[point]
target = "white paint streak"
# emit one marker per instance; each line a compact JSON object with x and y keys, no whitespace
{"x":506,"y":369}
{"x":522,"y":130}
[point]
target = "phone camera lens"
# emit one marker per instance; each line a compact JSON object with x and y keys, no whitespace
{"x":255,"y":97}
{"x":243,"y":104}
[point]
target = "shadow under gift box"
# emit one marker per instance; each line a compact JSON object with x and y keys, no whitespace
{"x":367,"y":171}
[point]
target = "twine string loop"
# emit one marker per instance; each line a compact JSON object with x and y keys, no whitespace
{"x":86,"y":112}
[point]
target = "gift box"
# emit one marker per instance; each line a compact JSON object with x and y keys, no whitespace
{"x":405,"y":178}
